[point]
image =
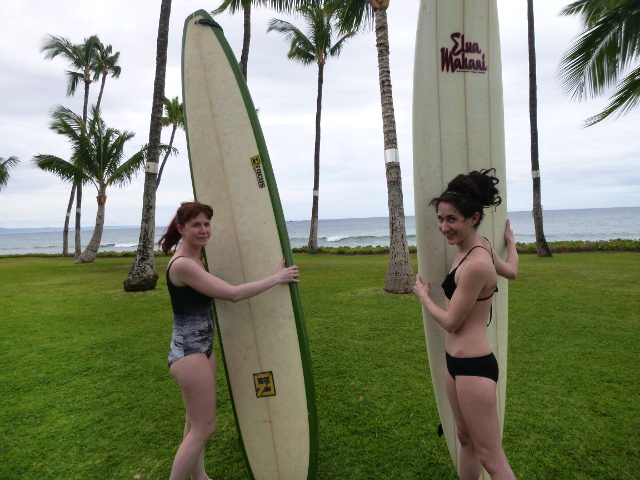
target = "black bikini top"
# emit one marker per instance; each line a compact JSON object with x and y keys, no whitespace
{"x":449,"y":285}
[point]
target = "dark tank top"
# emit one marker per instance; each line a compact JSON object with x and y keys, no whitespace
{"x":185,"y":300}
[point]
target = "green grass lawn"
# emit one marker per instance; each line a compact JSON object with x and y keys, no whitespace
{"x":86,"y":394}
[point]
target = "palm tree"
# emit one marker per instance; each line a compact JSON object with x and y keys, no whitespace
{"x":541,"y":242}
{"x":5,"y":165}
{"x":106,"y":62}
{"x":98,"y":154}
{"x":607,"y":47}
{"x":142,"y":275}
{"x":175,"y":117}
{"x":81,"y":58}
{"x":357,"y":15}
{"x":233,"y":6}
{"x":316,"y":47}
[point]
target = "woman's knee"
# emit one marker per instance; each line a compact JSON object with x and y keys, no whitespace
{"x":203,"y":429}
{"x":492,"y":461}
{"x":464,"y":437}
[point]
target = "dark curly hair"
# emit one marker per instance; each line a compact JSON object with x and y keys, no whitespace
{"x":471,"y":193}
{"x":186,"y":212}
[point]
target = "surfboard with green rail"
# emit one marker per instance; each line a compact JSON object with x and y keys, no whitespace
{"x":263,"y":339}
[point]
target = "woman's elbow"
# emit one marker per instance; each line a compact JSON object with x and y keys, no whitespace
{"x":452,"y":327}
{"x":236,"y":297}
{"x":232,"y":296}
{"x":509,"y":274}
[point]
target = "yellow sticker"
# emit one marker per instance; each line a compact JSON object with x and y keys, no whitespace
{"x":264,"y":384}
{"x":256,"y":164}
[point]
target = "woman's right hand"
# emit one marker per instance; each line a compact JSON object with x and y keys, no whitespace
{"x":421,"y":289}
{"x":287,"y":274}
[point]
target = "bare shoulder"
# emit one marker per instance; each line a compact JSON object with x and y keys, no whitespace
{"x":181,"y":263}
{"x":479,"y":263}
{"x":184,"y":268}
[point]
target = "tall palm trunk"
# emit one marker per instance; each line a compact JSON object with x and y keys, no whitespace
{"x":104,"y":80}
{"x":313,"y":234}
{"x":78,"y":240}
{"x":78,"y":236}
{"x":90,"y":253}
{"x":246,"y":41}
{"x":399,"y":273}
{"x":142,"y":275}
{"x":541,"y":243}
{"x":65,"y":231}
{"x":166,"y":156}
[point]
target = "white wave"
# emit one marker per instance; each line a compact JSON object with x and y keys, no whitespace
{"x":336,"y":239}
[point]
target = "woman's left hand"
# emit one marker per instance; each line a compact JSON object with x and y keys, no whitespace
{"x":287,"y":275}
{"x":509,"y":237}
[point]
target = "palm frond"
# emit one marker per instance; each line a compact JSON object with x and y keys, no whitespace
{"x":174,"y":112}
{"x":301,"y":47}
{"x":5,"y":165}
{"x":602,"y":51}
{"x":625,"y":99}
{"x":54,"y":45}
{"x":282,"y":6}
{"x":74,"y":79}
{"x":67,"y":123}
{"x":64,"y":169}
{"x":124,"y":173}
{"x":337,"y":47}
{"x":352,"y":15}
{"x":9,"y":162}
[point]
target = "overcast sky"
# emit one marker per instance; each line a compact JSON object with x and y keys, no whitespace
{"x":580,"y":168}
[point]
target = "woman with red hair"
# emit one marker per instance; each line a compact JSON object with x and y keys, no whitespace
{"x":191,"y":359}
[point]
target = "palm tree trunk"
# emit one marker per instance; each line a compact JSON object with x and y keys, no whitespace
{"x":399,"y":273}
{"x":541,"y":243}
{"x":313,"y":234}
{"x":104,"y":79}
{"x":78,"y":240}
{"x":164,"y":160}
{"x":65,"y":231}
{"x":90,"y":253}
{"x":142,"y":275}
{"x":246,"y":40}
{"x":85,"y":106}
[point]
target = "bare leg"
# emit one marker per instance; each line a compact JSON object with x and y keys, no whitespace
{"x":477,"y":402}
{"x":196,"y":375}
{"x":470,"y":466}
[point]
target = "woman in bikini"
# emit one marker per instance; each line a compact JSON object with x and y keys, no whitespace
{"x":472,"y":369}
{"x":191,"y":359}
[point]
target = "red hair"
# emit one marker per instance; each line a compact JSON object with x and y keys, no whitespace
{"x":186,"y":212}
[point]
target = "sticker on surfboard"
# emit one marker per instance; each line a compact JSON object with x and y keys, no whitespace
{"x":256,"y":163}
{"x":265,"y":387}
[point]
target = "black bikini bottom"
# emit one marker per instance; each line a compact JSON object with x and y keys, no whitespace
{"x":486,"y":366}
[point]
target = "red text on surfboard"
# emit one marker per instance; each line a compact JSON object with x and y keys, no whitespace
{"x":463,"y":57}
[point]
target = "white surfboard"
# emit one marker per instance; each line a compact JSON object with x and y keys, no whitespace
{"x":263,"y":339}
{"x":458,"y":127}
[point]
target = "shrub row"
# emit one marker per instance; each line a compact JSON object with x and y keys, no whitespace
{"x":617,"y":245}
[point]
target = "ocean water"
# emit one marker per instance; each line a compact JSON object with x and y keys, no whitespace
{"x":586,"y":225}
